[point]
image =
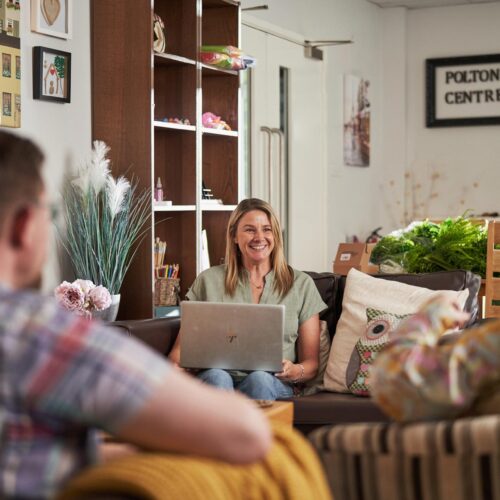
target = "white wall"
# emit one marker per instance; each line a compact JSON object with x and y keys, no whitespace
{"x":62,"y":130}
{"x":462,"y":155}
{"x":390,"y":48}
{"x":377,"y":54}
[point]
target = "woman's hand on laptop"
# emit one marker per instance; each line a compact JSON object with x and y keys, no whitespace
{"x":288,"y":372}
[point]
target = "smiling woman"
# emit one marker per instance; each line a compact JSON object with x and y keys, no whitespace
{"x":256,"y":272}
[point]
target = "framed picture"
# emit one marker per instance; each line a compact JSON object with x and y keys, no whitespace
{"x":52,"y":17}
{"x":463,"y":91}
{"x":51,"y":74}
{"x":357,"y":113}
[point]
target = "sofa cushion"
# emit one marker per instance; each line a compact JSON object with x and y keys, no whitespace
{"x":371,"y":310}
{"x":316,"y":384}
{"x":327,"y":285}
{"x":331,"y":288}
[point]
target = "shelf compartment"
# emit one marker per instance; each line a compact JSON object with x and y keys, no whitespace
{"x":220,"y":96}
{"x":178,"y":230}
{"x":165,"y":59}
{"x":215,"y":224}
{"x":175,"y":164}
{"x":210,"y":4}
{"x":225,"y":133}
{"x":175,"y":92}
{"x":220,"y":167}
{"x":220,"y":23}
{"x":174,"y":126}
{"x":217,"y":208}
{"x":180,"y":20}
{"x":174,"y":208}
{"x":209,"y":70}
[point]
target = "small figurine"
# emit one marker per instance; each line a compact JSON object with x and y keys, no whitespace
{"x":210,"y":120}
{"x":159,"y":191}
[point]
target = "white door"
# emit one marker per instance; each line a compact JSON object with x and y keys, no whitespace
{"x":287,"y":141}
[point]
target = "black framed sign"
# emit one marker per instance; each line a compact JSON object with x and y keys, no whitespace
{"x":463,"y":91}
{"x":51,"y":75}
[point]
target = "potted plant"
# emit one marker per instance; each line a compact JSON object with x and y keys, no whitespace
{"x":104,"y":219}
{"x":425,"y":246}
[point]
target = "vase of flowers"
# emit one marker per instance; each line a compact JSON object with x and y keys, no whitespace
{"x":86,"y":299}
{"x":105,"y":220}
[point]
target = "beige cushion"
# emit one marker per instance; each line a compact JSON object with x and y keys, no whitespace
{"x":316,"y":384}
{"x":371,"y":310}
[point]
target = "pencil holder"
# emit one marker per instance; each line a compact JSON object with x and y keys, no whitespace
{"x":167,"y":291}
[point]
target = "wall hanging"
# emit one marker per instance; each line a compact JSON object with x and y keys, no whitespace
{"x":51,"y":75}
{"x":356,"y":121}
{"x":52,"y":17}
{"x":463,"y":91}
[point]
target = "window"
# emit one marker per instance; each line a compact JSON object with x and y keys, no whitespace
{"x":6,"y":65}
{"x":6,"y":104}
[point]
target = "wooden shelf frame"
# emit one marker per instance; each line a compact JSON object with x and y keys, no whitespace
{"x":134,"y":90}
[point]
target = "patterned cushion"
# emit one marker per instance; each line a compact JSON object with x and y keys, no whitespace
{"x":445,"y":460}
{"x":371,"y":311}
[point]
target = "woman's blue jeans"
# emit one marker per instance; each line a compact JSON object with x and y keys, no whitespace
{"x":256,"y":385}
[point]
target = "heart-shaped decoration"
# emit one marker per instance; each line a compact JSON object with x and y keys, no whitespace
{"x":52,"y":71}
{"x":51,"y":10}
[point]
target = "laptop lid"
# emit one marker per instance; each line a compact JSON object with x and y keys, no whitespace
{"x":232,"y":336}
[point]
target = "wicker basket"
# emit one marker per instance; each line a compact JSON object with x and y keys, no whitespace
{"x":167,"y":291}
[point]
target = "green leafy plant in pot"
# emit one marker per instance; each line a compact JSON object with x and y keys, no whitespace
{"x":425,"y":246}
{"x":105,"y":220}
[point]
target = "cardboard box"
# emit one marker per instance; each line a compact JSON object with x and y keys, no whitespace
{"x":355,"y":255}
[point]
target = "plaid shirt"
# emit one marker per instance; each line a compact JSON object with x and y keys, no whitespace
{"x":61,"y":376}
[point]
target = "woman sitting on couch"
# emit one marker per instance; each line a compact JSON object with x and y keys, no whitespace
{"x":256,"y":272}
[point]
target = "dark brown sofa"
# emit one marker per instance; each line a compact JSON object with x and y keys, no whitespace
{"x":323,"y":408}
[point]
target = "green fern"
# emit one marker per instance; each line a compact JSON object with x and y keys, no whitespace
{"x":427,"y":247}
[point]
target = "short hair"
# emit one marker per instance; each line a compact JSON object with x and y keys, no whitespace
{"x":21,"y":179}
{"x":283,"y":273}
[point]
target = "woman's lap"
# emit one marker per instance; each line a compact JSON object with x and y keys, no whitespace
{"x":256,"y":385}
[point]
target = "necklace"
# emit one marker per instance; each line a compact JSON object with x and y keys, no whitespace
{"x":259,"y":287}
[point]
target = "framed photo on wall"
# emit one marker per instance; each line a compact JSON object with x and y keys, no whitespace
{"x":52,"y":17}
{"x":357,"y":113}
{"x":463,"y":91}
{"x":51,"y":75}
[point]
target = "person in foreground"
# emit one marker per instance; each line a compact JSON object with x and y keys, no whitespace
{"x":256,"y":272}
{"x":425,"y":374}
{"x":62,"y":376}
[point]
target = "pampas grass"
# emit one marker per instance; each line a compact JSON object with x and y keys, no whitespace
{"x":105,"y":220}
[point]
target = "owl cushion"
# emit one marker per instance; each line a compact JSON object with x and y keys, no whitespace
{"x":372,"y":308}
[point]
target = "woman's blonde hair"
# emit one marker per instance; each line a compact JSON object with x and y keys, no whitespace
{"x":283,"y":273}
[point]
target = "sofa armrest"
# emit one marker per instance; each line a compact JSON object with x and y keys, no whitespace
{"x":158,"y":333}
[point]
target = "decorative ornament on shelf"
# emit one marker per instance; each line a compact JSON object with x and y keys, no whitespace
{"x":105,"y":220}
{"x":86,"y":299}
{"x":159,"y":40}
{"x":226,"y":57}
{"x":210,"y":120}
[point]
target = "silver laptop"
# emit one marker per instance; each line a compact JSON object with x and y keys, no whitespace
{"x":232,"y":336}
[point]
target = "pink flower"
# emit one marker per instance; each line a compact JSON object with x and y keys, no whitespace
{"x":70,"y":296}
{"x":99,"y":298}
{"x":85,"y":285}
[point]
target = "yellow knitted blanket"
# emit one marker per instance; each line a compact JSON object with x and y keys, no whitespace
{"x":291,"y":470}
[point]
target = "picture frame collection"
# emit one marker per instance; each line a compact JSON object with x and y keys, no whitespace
{"x":51,"y":67}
